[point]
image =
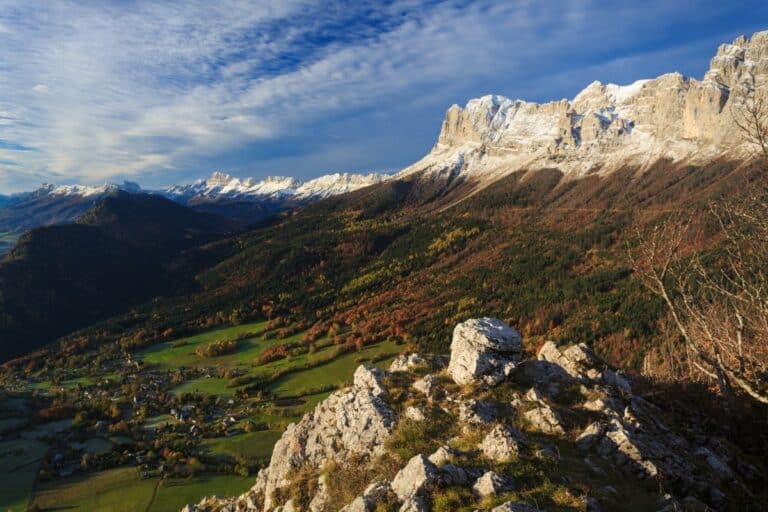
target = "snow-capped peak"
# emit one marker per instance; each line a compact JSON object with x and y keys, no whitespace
{"x":85,"y":190}
{"x":338,"y":183}
{"x":222,"y":185}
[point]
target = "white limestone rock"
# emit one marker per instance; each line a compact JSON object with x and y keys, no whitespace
{"x":414,"y":413}
{"x":476,"y":412}
{"x":349,"y":422}
{"x":502,"y":443}
{"x":370,"y":378}
{"x":320,"y":500}
{"x":483,"y":350}
{"x":414,"y":478}
{"x":425,"y":385}
{"x":414,"y":504}
{"x":404,"y":363}
{"x":442,"y":455}
{"x":491,"y":484}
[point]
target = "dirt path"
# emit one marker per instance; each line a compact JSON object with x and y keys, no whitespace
{"x":154,"y":495}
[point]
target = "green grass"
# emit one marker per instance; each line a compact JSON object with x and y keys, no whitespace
{"x":158,"y":421}
{"x":338,"y":371}
{"x":250,"y":445}
{"x":114,"y":490}
{"x":19,"y":463}
{"x":174,"y":493}
{"x":50,"y":429}
{"x":7,"y":424}
{"x":181,"y":352}
{"x":123,"y":490}
{"x":95,"y":446}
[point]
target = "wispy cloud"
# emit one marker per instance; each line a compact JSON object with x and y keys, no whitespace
{"x":92,"y":91}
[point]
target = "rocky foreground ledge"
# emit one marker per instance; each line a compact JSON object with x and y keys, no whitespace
{"x":490,"y":430}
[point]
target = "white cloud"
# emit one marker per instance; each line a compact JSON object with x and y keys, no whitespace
{"x":99,"y":90}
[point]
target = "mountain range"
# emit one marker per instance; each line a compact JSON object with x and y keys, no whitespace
{"x":245,"y":200}
{"x":520,"y":218}
{"x":647,"y":146}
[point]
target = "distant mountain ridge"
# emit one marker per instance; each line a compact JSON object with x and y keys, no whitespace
{"x":125,"y":249}
{"x":221,"y":185}
{"x":245,"y":200}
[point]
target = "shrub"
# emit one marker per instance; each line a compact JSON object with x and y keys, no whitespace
{"x":217,"y":348}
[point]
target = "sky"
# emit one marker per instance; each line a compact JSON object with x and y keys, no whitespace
{"x":165,"y":92}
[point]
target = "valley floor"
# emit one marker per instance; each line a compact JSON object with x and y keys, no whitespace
{"x":165,"y":426}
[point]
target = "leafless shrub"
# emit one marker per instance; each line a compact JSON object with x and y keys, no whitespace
{"x":718,"y":301}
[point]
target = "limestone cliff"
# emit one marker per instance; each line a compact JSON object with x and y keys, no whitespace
{"x":605,"y":125}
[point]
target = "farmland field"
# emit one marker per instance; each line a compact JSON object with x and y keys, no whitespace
{"x":291,"y":384}
{"x":19,"y":462}
{"x":123,"y":490}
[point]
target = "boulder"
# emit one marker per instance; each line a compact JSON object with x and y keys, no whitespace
{"x":501,"y":444}
{"x":476,"y":412}
{"x":414,"y":413}
{"x":590,"y":435}
{"x":414,"y":478}
{"x":414,"y":504}
{"x":404,"y":363}
{"x":376,"y":493}
{"x":543,"y":418}
{"x":491,"y":484}
{"x":370,"y":378}
{"x":575,"y":361}
{"x":425,"y":385}
{"x":442,"y":456}
{"x":454,"y":475}
{"x":483,"y":350}
{"x":357,"y":505}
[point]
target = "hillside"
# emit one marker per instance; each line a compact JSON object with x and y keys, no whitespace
{"x":119,"y":253}
{"x":491,"y":429}
{"x":158,"y":351}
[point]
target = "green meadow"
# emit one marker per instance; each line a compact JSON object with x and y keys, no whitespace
{"x":296,"y":383}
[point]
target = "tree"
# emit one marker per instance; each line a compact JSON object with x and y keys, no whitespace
{"x":749,"y":110}
{"x":719,"y":301}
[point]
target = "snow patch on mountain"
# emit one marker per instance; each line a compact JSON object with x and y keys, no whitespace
{"x":221,"y":185}
{"x":48,"y":189}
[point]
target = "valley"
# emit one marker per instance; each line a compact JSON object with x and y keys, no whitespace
{"x":181,"y":425}
{"x":560,"y":307}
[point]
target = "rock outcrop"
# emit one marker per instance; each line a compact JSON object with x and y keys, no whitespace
{"x":483,"y":350}
{"x":556,"y":423}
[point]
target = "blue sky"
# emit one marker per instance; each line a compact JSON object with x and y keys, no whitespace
{"x":162,"y":92}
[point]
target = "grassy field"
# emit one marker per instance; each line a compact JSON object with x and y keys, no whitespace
{"x":301,"y":381}
{"x":337,"y":371}
{"x":122,"y":490}
{"x":173,"y":494}
{"x":7,"y":241}
{"x":19,"y":462}
{"x":181,"y":352}
{"x":114,"y":490}
{"x":250,"y":445}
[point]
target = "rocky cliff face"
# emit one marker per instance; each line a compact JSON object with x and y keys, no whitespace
{"x":605,"y":125}
{"x":494,"y":431}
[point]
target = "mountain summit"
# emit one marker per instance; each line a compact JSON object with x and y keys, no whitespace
{"x":606,"y":125}
{"x":224,"y":186}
